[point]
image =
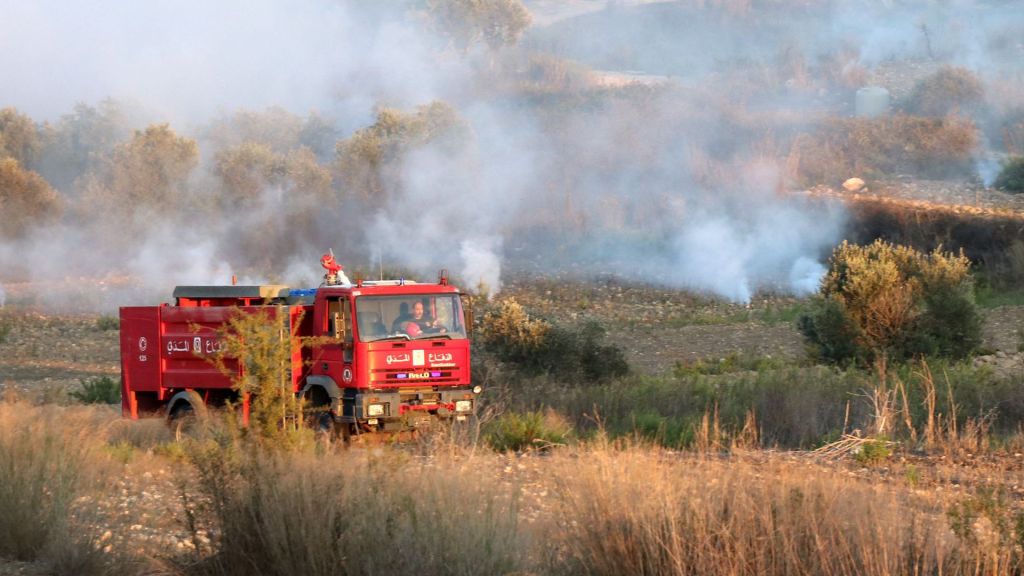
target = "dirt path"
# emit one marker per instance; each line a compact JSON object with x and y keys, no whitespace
{"x":41,"y":349}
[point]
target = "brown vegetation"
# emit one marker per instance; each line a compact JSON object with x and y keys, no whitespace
{"x":369,"y":161}
{"x":51,"y":468}
{"x":26,"y":200}
{"x":951,"y":90}
{"x":250,"y":169}
{"x":497,"y":23}
{"x":596,"y":508}
{"x":640,"y":512}
{"x":148,"y":173}
{"x":19,"y":137}
{"x":986,"y":236}
{"x":924,"y":147}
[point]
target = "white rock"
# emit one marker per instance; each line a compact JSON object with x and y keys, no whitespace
{"x":853,"y":185}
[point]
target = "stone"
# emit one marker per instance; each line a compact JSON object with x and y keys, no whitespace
{"x":853,"y":185}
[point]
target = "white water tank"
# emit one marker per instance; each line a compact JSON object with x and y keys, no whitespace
{"x":872,"y":102}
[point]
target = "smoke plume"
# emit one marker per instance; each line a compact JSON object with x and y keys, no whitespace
{"x":641,"y":140}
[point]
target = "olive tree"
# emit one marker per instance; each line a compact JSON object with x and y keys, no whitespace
{"x":26,"y":200}
{"x":497,"y":23}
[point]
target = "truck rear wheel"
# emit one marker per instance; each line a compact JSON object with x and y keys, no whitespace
{"x":182,"y":421}
{"x":187,"y":408}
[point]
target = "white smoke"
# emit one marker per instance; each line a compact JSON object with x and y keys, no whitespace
{"x":713,"y":256}
{"x":187,"y":60}
{"x":780,"y":248}
{"x":3,"y":296}
{"x":170,"y":257}
{"x":481,"y":263}
{"x":633,"y":174}
{"x":806,"y":275}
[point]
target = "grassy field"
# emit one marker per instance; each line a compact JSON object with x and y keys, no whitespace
{"x":732,"y":463}
{"x":86,"y":493}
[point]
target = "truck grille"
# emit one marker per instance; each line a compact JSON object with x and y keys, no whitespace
{"x":430,"y":398}
{"x":415,"y":377}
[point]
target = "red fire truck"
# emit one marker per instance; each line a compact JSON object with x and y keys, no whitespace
{"x":390,"y":355}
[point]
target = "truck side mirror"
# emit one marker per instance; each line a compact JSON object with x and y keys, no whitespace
{"x":467,"y":312}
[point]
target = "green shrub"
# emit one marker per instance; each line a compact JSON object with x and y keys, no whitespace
{"x":6,"y":326}
{"x":951,"y":89}
{"x":575,"y":355}
{"x":100,"y":390}
{"x":527,"y":431}
{"x":105,"y":323}
{"x":258,"y":343}
{"x":120,"y":451}
{"x":1004,"y":521}
{"x":1011,"y":177}
{"x":950,"y":325}
{"x":873,"y":452}
{"x":793,"y":406}
{"x":731,"y":363}
{"x":892,"y":301}
{"x":579,"y":355}
{"x":831,"y":334}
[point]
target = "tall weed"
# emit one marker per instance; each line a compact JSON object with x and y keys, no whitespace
{"x":46,"y":467}
{"x":639,"y":511}
{"x":349,"y":513}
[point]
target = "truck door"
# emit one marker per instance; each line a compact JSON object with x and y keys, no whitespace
{"x":337,"y":353}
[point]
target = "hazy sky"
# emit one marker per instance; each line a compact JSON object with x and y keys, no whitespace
{"x":188,"y":59}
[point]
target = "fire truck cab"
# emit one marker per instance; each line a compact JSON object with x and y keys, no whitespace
{"x":387,"y":364}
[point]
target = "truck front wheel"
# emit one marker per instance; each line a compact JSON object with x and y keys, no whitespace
{"x":330,"y":431}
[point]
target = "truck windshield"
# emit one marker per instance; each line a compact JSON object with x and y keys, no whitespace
{"x":420,"y":316}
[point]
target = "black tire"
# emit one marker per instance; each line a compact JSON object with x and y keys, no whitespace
{"x":329,"y":431}
{"x":183,"y":421}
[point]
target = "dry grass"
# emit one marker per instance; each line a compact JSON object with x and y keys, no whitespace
{"x":639,"y":511}
{"x":450,"y":508}
{"x":950,"y":90}
{"x":50,"y":467}
{"x":352,"y":513}
{"x":924,"y":147}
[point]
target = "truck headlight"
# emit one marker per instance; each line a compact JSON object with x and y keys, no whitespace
{"x":463,"y":405}
{"x":375,"y":410}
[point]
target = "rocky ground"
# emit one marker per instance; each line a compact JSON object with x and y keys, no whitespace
{"x":46,"y":353}
{"x":969,"y":199}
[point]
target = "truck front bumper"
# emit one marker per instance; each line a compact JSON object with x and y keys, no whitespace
{"x":390,"y":408}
